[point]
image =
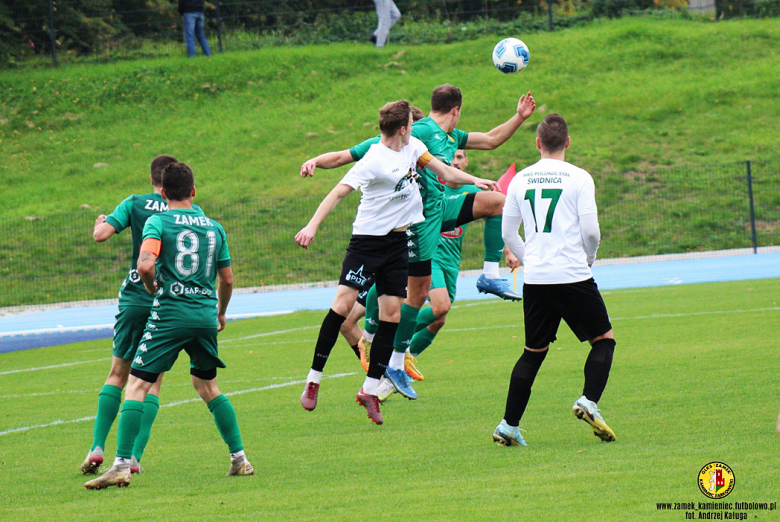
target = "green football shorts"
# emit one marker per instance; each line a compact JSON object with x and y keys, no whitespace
{"x":424,"y":237}
{"x":129,"y":327}
{"x":160,"y":347}
{"x":444,"y":276}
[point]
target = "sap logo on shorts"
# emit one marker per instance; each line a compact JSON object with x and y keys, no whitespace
{"x":177,"y":289}
{"x":453,"y":234}
{"x":148,"y":336}
{"x":157,"y":206}
{"x":143,"y":348}
{"x":134,"y":276}
{"x":155,"y":316}
{"x":357,"y":277}
{"x":138,"y":361}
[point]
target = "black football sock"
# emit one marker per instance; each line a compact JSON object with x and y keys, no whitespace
{"x":523,"y":376}
{"x":597,"y":368}
{"x":382,"y":349}
{"x":329,"y":334}
{"x":356,"y":350}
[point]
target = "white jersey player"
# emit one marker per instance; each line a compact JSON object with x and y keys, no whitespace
{"x":555,"y":201}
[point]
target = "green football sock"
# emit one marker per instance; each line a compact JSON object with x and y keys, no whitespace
{"x":405,"y":332}
{"x":372,"y":311}
{"x":424,"y":318}
{"x":129,"y":426}
{"x":421,"y":341}
{"x":151,"y":405}
{"x":494,"y":243}
{"x":109,"y":400}
{"x":227,"y":423}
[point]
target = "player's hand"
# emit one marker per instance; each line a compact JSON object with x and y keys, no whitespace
{"x":526,"y":105}
{"x":100,"y":220}
{"x":511,"y":259}
{"x":308,"y":168}
{"x":222,"y":319}
{"x":487,"y":184}
{"x":305,"y":236}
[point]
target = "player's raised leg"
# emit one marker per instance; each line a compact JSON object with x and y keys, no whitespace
{"x":370,"y":326}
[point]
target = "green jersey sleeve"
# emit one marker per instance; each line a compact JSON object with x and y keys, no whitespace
{"x":422,"y":132}
{"x":120,"y":217}
{"x":153,"y":228}
{"x":359,"y":150}
{"x":223,"y":257}
{"x":461,"y":138}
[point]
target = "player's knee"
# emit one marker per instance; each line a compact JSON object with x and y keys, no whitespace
{"x":440,"y":310}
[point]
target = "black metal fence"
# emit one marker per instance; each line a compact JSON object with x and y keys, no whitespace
{"x":52,"y":258}
{"x":64,"y":31}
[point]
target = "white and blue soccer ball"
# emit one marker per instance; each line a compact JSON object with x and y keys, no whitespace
{"x":510,"y":55}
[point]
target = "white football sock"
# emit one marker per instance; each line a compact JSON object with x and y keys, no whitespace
{"x":368,"y":336}
{"x":490,"y":269}
{"x":370,"y":385}
{"x":314,"y":376}
{"x":397,"y":360}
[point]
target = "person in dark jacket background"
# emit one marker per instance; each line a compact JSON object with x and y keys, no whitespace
{"x":193,"y":22}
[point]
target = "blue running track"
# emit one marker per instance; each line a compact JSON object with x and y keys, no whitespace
{"x":68,"y":325}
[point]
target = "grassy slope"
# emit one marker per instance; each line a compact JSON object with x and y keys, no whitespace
{"x":637,"y":93}
{"x":679,"y":397}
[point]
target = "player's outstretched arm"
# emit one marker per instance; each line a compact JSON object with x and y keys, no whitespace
{"x":307,"y":233}
{"x":509,"y":228}
{"x":224,"y":293}
{"x":329,"y":160}
{"x":147,"y":271}
{"x":102,"y":229}
{"x":454,"y":175}
{"x":496,"y":137}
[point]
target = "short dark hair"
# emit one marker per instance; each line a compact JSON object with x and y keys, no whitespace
{"x":393,"y":116}
{"x":445,"y":98}
{"x":177,"y":181}
{"x":553,"y":132}
{"x":158,"y":164}
{"x":417,"y":113}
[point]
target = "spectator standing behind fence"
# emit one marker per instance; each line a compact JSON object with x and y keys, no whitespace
{"x":387,"y":14}
{"x":193,"y":22}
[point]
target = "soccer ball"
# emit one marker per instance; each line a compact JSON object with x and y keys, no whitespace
{"x":510,"y":55}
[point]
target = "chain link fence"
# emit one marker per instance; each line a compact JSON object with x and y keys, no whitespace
{"x":53,"y":258}
{"x":68,"y":31}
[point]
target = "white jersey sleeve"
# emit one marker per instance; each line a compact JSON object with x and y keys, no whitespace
{"x":359,"y":176}
{"x":586,"y":197}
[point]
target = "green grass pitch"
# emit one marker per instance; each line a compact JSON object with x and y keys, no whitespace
{"x":695,"y":380}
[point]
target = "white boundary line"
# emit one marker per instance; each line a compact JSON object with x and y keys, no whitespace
{"x":176,"y":403}
{"x":53,"y":366}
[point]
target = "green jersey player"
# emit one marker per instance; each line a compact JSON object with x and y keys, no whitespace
{"x":134,"y":307}
{"x":182,"y":254}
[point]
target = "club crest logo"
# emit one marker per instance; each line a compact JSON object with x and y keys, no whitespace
{"x":410,"y":177}
{"x":177,"y":288}
{"x":716,"y":480}
{"x":134,"y":276}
